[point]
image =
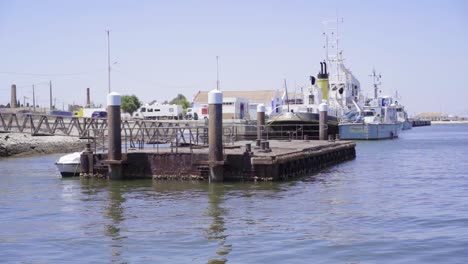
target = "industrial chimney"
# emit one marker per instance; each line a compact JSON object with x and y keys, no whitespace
{"x":88,"y":98}
{"x":13,"y":103}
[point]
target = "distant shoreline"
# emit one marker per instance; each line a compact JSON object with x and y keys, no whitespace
{"x":23,"y":144}
{"x":449,"y":122}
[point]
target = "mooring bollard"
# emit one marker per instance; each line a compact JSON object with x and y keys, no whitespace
{"x":257,"y":143}
{"x":263,"y":145}
{"x":248,"y":148}
{"x":331,"y":138}
{"x":114,"y":158}
{"x":306,"y":138}
{"x":260,"y":120}
{"x":215,"y":135}
{"x":323,"y":120}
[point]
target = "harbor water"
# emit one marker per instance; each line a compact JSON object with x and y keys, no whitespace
{"x":399,"y":201}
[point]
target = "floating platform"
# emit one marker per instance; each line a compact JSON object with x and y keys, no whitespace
{"x":277,"y":161}
{"x":418,"y":123}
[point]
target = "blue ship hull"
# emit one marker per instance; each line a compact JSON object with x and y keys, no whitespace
{"x":361,"y":131}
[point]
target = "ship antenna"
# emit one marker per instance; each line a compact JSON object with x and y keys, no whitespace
{"x":108,"y":62}
{"x":376,"y":80}
{"x":286,"y":89}
{"x":217,"y":73}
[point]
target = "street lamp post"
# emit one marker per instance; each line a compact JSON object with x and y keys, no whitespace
{"x":108,"y":61}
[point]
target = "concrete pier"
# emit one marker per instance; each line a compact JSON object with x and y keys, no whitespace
{"x":323,"y":120}
{"x":215,"y":135}
{"x":275,"y":160}
{"x":114,"y":159}
{"x":286,"y":160}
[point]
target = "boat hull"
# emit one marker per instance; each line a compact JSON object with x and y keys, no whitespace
{"x":407,"y":125}
{"x":363,"y":131}
{"x":68,"y":169}
{"x":305,"y":123}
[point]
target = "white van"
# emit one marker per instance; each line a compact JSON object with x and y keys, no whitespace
{"x":159,"y":111}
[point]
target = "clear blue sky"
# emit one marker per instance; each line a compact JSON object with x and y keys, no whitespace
{"x":167,"y":47}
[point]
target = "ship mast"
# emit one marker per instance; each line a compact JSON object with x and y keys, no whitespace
{"x":332,"y":51}
{"x":286,"y":89}
{"x":376,"y":80}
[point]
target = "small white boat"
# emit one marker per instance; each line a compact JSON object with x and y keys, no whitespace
{"x":69,"y":165}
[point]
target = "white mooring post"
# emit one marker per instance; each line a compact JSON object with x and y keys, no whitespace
{"x":215,"y":135}
{"x":323,"y":120}
{"x":114,"y":157}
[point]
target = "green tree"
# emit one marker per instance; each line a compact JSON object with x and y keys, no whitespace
{"x":130,"y":103}
{"x":181,"y":100}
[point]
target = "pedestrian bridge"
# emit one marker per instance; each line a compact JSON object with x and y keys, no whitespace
{"x":193,"y":132}
{"x":181,"y":131}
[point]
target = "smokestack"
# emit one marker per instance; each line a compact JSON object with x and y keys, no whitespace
{"x":325,"y":66}
{"x":321,"y":68}
{"x":13,"y":103}
{"x":88,"y":98}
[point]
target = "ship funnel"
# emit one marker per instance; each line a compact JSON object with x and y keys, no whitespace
{"x":312,"y":80}
{"x":322,"y":80}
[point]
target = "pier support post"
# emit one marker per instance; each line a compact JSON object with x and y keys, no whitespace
{"x":215,"y":135}
{"x":323,"y":120}
{"x":87,"y":161}
{"x":114,"y":157}
{"x":260,"y":120}
{"x":13,"y":103}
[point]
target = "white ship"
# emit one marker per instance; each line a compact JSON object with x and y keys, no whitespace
{"x":378,"y":119}
{"x":335,"y":85}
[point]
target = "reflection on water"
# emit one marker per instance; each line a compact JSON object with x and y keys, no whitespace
{"x":400,"y":201}
{"x":216,"y":229}
{"x":115,"y":214}
{"x":113,"y":211}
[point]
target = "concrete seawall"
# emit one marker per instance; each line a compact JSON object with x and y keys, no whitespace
{"x":23,"y":144}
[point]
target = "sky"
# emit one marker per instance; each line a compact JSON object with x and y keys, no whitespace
{"x":162,"y":48}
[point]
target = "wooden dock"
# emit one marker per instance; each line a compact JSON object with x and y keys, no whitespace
{"x":282,"y":160}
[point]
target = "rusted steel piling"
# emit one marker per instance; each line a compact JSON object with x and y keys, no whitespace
{"x":87,"y":161}
{"x":215,"y":135}
{"x":114,"y":159}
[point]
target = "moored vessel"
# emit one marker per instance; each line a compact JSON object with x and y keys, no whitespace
{"x":378,"y":118}
{"x":69,"y":165}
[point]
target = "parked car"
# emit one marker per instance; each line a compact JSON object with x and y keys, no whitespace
{"x":99,"y":114}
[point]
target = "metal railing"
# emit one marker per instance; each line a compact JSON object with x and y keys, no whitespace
{"x":138,"y":134}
